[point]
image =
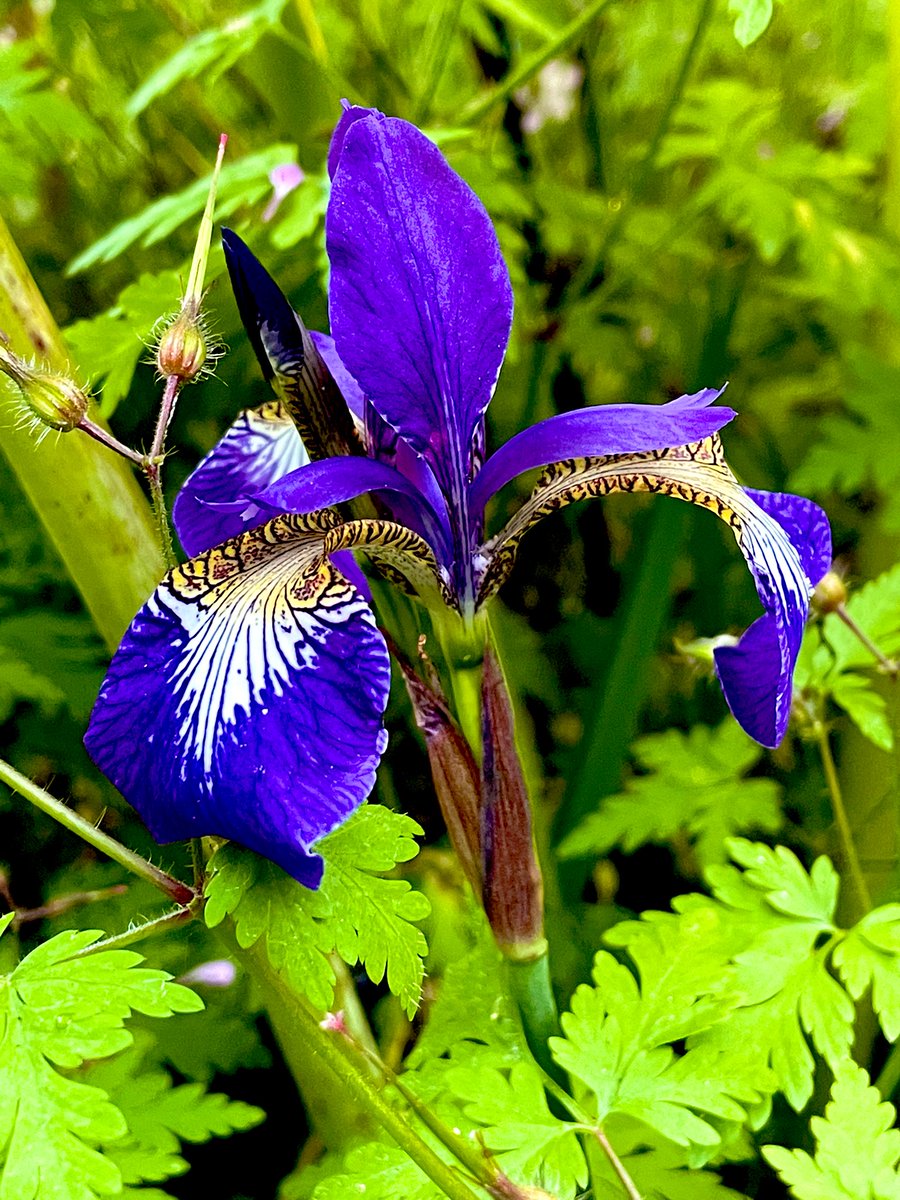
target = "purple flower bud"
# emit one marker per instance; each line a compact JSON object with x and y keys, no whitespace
{"x":218,"y":972}
{"x":513,"y":890}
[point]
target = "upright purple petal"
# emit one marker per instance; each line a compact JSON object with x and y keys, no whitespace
{"x":420,"y":300}
{"x":260,"y":447}
{"x":592,"y":432}
{"x":246,"y":699}
{"x":350,"y":114}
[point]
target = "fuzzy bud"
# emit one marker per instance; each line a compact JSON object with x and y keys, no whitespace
{"x":830,"y":593}
{"x":182,"y":348}
{"x":48,"y":399}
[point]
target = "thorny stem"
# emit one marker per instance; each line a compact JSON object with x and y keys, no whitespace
{"x":617,"y":1165}
{"x":118,"y":941}
{"x":889,"y":665}
{"x":845,"y":833}
{"x":172,"y":887}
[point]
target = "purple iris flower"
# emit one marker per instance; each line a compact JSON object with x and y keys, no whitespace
{"x":246,"y":699}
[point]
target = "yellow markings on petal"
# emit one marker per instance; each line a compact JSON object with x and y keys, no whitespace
{"x":696,"y":473}
{"x":399,"y":553}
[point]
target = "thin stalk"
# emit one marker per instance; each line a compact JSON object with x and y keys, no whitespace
{"x":118,"y":941}
{"x":473,"y":113}
{"x":446,"y":20}
{"x":152,"y":465}
{"x":648,"y":162}
{"x":617,"y":1165}
{"x":62,"y":904}
{"x":88,"y":500}
{"x":306,"y":14}
{"x":889,"y":665}
{"x":845,"y":833}
{"x":173,"y":888}
{"x":889,"y":1077}
{"x":105,"y":438}
{"x":303,"y":1038}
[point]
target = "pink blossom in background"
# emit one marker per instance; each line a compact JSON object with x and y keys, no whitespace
{"x":284,"y":178}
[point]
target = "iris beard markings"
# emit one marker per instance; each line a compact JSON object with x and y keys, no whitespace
{"x":253,"y":612}
{"x":696,"y":473}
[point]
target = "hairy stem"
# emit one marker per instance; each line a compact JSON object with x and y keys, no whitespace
{"x":163,"y":924}
{"x":88,"y":500}
{"x":303,"y":1039}
{"x":852,"y":865}
{"x":172,"y":887}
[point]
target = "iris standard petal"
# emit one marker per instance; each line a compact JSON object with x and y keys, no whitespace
{"x":260,"y":447}
{"x":756,"y":675}
{"x":288,"y":356}
{"x":420,"y":298}
{"x":246,"y":699}
{"x":606,"y":429}
{"x":350,"y":114}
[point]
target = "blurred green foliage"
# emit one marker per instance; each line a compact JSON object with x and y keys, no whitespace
{"x":687,"y":192}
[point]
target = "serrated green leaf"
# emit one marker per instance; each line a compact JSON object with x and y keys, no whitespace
{"x":531,"y":1144}
{"x":869,"y":956}
{"x":696,"y":787}
{"x":56,"y":1009}
{"x":857,"y":1150}
{"x":160,"y":1116}
{"x":617,"y":1053}
{"x":356,"y":912}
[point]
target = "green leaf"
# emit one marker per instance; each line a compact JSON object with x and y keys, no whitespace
{"x":869,"y":956}
{"x":59,"y":654}
{"x":159,"y":1116}
{"x":753,"y":17}
{"x":696,"y":786}
{"x":530,"y":1143}
{"x":240,"y":183}
{"x":376,"y":1170}
{"x":211,"y":52}
{"x":59,"y":1010}
{"x":356,"y":912}
{"x":857,"y":1150}
{"x":612,"y":1042}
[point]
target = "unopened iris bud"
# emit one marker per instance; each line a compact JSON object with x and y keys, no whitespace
{"x":182,"y":348}
{"x":830,"y":593}
{"x":512,"y":888}
{"x":47,"y":399}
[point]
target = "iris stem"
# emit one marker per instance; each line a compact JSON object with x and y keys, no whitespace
{"x":23,"y":786}
{"x":845,"y":834}
{"x":473,"y":113}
